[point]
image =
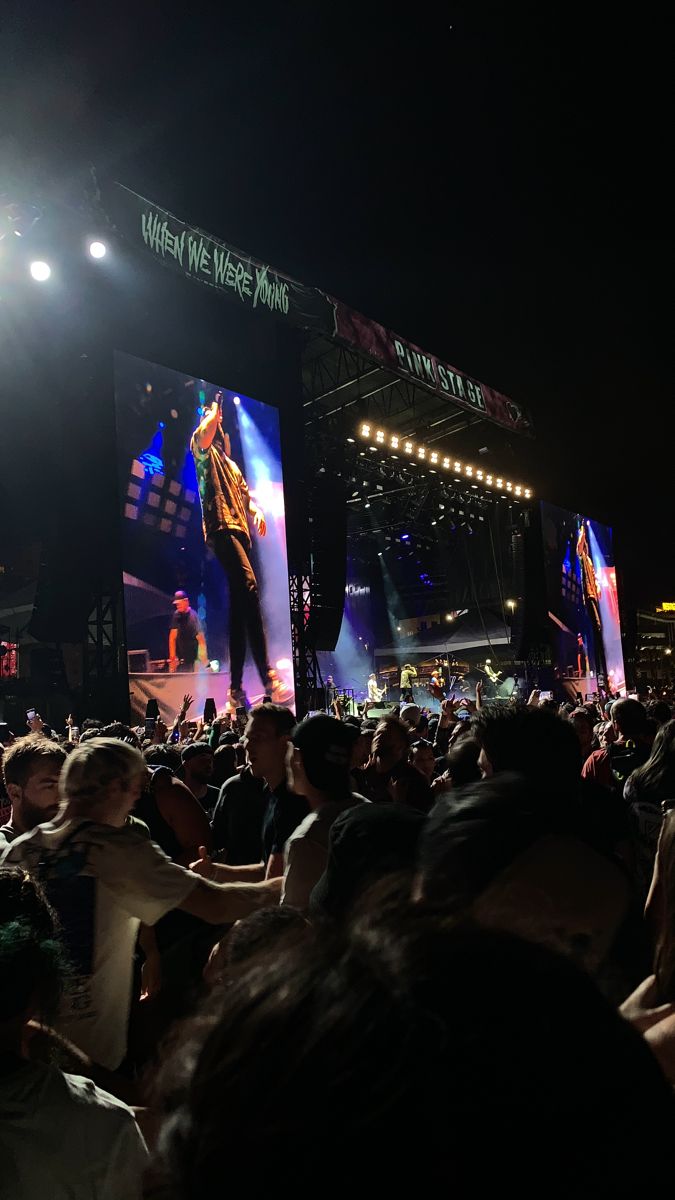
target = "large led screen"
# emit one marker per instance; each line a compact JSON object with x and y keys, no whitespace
{"x":583,"y":601}
{"x":203,"y":541}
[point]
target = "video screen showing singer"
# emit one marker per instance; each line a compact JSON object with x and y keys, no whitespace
{"x":228,"y":512}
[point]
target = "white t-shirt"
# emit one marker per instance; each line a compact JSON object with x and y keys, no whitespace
{"x":306,"y":852}
{"x":62,"y":1138}
{"x":103,"y":882}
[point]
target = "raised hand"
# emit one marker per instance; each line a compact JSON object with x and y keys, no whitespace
{"x":259,"y":522}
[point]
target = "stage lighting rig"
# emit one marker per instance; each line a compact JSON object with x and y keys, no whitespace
{"x":418,"y":454}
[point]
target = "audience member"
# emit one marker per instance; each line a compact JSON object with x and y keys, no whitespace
{"x":368,"y":843}
{"x":645,"y":791}
{"x":263,"y":931}
{"x":104,"y":878}
{"x":390,"y":776}
{"x":197,"y":770}
{"x":267,"y":736}
{"x":61,"y":1137}
{"x":423,"y":759}
{"x":318,"y":769}
{"x":630,"y":749}
{"x":31,"y":767}
{"x":451,"y":1059}
{"x":224,"y":766}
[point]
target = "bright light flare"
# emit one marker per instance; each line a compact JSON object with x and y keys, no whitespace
{"x":40,"y":271}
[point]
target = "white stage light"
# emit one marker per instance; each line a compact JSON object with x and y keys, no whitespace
{"x":40,"y":271}
{"x":97,"y":249}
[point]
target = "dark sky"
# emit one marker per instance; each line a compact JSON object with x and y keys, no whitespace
{"x":490,"y":181}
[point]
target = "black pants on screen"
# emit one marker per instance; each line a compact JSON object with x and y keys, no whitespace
{"x":246,"y":622}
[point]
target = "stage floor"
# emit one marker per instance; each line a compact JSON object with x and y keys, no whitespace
{"x":168,"y":690}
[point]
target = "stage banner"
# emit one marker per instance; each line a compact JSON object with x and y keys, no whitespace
{"x":426,"y":369}
{"x":200,"y":256}
{"x":258,"y":286}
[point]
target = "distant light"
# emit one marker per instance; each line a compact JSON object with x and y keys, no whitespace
{"x":97,"y":249}
{"x":449,"y":617}
{"x":40,"y":271}
{"x":214,"y":666}
{"x":668,"y":650}
{"x":350,"y":440}
{"x":398,"y":628}
{"x":161,"y":424}
{"x":405,"y":537}
{"x":236,"y":400}
{"x":511,"y":604}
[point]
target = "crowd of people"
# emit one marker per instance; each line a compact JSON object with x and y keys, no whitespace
{"x":433,"y":948}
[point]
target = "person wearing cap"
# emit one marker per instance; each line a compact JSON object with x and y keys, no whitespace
{"x":197,"y":770}
{"x":318,"y":763}
{"x":410,"y":714}
{"x":408,"y":674}
{"x":187,"y":643}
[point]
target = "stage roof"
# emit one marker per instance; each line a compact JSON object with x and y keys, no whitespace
{"x":354,"y":368}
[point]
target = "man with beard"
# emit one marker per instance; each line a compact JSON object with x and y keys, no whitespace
{"x":31,"y":767}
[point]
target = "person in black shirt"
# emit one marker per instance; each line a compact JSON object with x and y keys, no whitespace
{"x":187,"y":643}
{"x":266,"y":738}
{"x":237,"y":820}
{"x":197,"y":771}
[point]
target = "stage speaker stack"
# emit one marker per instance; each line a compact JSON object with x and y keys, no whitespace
{"x":328,"y":514}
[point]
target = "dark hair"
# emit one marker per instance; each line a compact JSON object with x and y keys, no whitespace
{"x":415,"y":1032}
{"x":121,"y":733}
{"x":224,"y":764}
{"x":398,"y":726}
{"x":25,"y":754}
{"x":462,"y":761}
{"x":630,"y":717}
{"x":262,"y":930}
{"x":32,"y":963}
{"x":279,"y":716}
{"x":535,"y":742}
{"x":659,"y":711}
{"x":162,"y":756}
{"x":657,"y":775}
{"x":91,"y":723}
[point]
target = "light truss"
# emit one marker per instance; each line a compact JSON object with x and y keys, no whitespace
{"x":408,"y":449}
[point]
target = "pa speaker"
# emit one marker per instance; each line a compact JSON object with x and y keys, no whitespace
{"x":328,"y":559}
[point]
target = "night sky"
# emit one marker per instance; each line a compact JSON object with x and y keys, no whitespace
{"x":489,"y":183}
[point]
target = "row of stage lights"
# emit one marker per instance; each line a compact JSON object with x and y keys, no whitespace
{"x":392,"y":442}
{"x":41,"y":271}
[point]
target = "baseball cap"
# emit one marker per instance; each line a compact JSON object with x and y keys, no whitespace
{"x":410,"y":713}
{"x":326,"y":746}
{"x":180,"y":596}
{"x":195,"y":749}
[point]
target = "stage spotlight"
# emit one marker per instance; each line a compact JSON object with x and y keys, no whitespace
{"x":40,"y":271}
{"x":511,"y":604}
{"x":97,"y":249}
{"x":214,"y":666}
{"x":398,"y":628}
{"x":236,"y":400}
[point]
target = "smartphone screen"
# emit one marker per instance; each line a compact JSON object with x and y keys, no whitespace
{"x":209,"y":711}
{"x":30,"y":714}
{"x":150,"y":726}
